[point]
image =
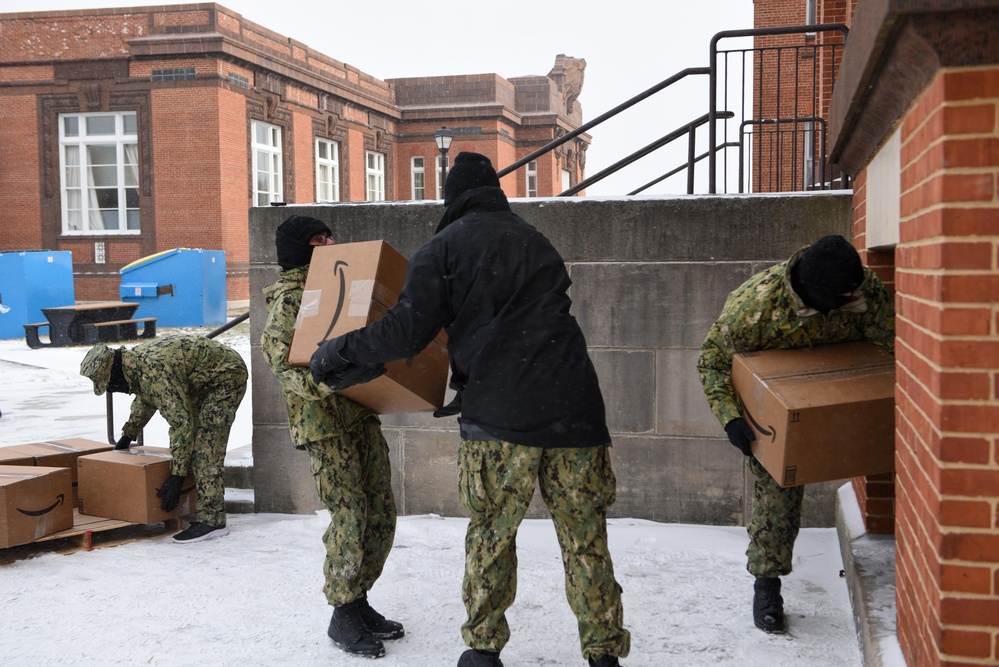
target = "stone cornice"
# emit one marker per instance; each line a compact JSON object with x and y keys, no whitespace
{"x":894,"y":49}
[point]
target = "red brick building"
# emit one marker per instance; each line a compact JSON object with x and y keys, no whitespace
{"x":914,"y":121}
{"x":132,"y":131}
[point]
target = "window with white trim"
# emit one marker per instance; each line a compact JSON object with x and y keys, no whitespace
{"x":375,"y":176}
{"x":327,"y":171}
{"x":440,"y":181}
{"x":99,"y":167}
{"x":268,"y":185}
{"x":566,"y":180}
{"x":532,"y":178}
{"x":418,"y":178}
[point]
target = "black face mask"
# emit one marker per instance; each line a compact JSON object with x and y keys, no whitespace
{"x":118,"y":383}
{"x":818,"y":297}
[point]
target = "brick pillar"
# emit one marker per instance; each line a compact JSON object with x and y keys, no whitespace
{"x":947,"y":282}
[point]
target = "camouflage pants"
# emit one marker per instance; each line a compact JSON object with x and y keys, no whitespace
{"x":774,"y":524}
{"x":496,"y":482}
{"x":354,"y":480}
{"x":214,"y":416}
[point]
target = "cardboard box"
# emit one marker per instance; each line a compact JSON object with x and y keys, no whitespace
{"x":122,"y":485}
{"x":350,"y":286}
{"x":819,"y":414}
{"x":34,"y":502}
{"x":11,"y":456}
{"x":61,"y":454}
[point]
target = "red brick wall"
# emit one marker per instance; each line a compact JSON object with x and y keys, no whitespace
{"x":948,"y":388}
{"x":235,"y":195}
{"x":20,"y":187}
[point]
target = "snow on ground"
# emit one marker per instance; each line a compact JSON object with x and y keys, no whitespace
{"x":255,"y":597}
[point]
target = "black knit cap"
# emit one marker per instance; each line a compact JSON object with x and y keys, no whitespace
{"x":470,"y":170}
{"x":292,"y":240}
{"x":831,"y":264}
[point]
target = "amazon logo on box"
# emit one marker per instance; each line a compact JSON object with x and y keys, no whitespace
{"x":34,"y":502}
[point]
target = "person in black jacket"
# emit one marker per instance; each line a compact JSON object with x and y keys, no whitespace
{"x":530,"y":406}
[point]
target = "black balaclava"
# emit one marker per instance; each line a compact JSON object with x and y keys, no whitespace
{"x":292,"y":239}
{"x":827,"y":273}
{"x":118,"y":383}
{"x":470,"y":170}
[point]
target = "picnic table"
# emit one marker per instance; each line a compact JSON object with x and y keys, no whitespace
{"x":90,"y":322}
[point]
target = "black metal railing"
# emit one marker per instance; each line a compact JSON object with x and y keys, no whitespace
{"x":780,"y":139}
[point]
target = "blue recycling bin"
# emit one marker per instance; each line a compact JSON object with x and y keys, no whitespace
{"x":29,"y":281}
{"x":182,"y":287}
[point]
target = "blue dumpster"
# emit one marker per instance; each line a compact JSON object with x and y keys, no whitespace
{"x":29,"y":281}
{"x":182,"y":287}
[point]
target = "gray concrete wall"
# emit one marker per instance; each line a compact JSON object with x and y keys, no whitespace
{"x":649,"y":276}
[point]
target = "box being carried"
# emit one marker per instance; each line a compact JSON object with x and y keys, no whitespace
{"x":122,"y":485}
{"x":34,"y":502}
{"x":350,"y":286}
{"x":819,"y":414}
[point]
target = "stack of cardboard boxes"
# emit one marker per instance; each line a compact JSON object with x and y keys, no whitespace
{"x":42,"y":482}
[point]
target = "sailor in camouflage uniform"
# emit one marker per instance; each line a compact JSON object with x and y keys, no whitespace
{"x":197,"y":385}
{"x":822,"y":294}
{"x":532,"y":413}
{"x":347,"y":451}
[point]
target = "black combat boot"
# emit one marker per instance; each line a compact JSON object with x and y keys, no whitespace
{"x":768,"y":606}
{"x":376,"y":624}
{"x":348,"y":632}
{"x":605,"y":661}
{"x":476,"y":658}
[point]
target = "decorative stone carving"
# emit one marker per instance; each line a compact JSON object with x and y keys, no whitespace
{"x":568,"y":77}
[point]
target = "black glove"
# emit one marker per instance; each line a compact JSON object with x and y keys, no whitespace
{"x":331,"y":366}
{"x":740,"y":434}
{"x":170,"y":492}
{"x":123,"y":442}
{"x":451,"y":409}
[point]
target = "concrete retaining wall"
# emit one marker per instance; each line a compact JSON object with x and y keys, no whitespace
{"x":649,"y":276}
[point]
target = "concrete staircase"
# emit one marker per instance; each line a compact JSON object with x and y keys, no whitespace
{"x":239,"y":480}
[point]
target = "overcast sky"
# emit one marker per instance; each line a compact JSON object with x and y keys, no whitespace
{"x":628,"y":45}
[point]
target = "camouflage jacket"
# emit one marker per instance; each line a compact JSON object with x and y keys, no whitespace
{"x":765,"y":313}
{"x":172,"y":374}
{"x":315,"y":412}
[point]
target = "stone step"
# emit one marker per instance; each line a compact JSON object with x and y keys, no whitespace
{"x":238,"y":476}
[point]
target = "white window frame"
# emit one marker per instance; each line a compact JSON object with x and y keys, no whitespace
{"x":437,"y":174}
{"x":566,"y":180}
{"x":327,"y":170}
{"x":374,"y":172}
{"x":531,"y":182}
{"x":268,"y":172}
{"x":417,"y":178}
{"x":99,"y":197}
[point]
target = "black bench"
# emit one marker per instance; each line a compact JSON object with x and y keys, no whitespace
{"x":118,"y":330}
{"x":31,"y":335}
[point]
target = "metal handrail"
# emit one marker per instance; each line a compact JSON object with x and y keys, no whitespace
{"x":601,"y":118}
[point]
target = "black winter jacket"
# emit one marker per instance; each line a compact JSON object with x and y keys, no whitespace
{"x":518,"y":357}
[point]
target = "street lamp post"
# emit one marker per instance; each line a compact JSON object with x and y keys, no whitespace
{"x":443,"y":138}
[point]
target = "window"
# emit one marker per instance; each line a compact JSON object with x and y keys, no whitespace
{"x":375,"y":172}
{"x":566,"y":180}
{"x":440,"y":181}
{"x":99,"y":167}
{"x":267,"y":177}
{"x":532,"y":178}
{"x":418,"y":178}
{"x":327,"y":171}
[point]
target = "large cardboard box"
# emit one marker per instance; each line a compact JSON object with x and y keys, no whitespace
{"x":821,"y":413}
{"x":350,"y":286}
{"x":34,"y":502}
{"x":122,"y":485}
{"x":61,"y":454}
{"x":11,"y":456}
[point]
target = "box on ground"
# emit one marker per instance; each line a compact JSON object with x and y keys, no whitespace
{"x":61,"y":454}
{"x":350,"y":286}
{"x":34,"y":502}
{"x":122,"y":485}
{"x":821,"y":413}
{"x":10,"y":456}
